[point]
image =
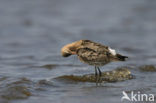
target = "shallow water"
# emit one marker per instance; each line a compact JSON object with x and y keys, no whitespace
{"x":33,"y":31}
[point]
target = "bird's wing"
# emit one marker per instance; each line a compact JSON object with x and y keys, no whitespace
{"x":93,"y":45}
{"x":95,"y":51}
{"x":89,"y":54}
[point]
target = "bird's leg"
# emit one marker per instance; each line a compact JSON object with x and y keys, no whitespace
{"x":96,"y":74}
{"x":100,"y":73}
{"x":95,"y":71}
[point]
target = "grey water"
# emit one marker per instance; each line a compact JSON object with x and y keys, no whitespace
{"x":32,"y":33}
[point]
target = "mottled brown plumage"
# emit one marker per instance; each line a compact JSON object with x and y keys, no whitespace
{"x":95,"y":54}
{"x":92,"y":53}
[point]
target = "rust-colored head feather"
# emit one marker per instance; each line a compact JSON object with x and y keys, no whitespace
{"x":70,"y":49}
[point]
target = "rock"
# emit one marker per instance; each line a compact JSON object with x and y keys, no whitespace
{"x":45,"y":83}
{"x":18,"y":89}
{"x":148,"y":68}
{"x":49,"y":66}
{"x":119,"y":74}
{"x":16,"y":92}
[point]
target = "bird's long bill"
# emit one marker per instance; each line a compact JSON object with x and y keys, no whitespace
{"x":66,"y":54}
{"x":65,"y":51}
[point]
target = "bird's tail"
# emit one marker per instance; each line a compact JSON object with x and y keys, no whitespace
{"x":120,"y":57}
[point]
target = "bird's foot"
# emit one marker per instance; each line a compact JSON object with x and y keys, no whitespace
{"x":98,"y":80}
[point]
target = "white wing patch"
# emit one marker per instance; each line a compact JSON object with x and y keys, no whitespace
{"x":112,"y":51}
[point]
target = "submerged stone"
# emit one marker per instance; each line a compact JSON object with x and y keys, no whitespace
{"x":119,"y":74}
{"x":49,"y":66}
{"x":18,"y":89}
{"x":148,"y":68}
{"x":16,"y":92}
{"x":45,"y":83}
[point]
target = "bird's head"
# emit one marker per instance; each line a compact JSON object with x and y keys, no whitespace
{"x":70,"y":49}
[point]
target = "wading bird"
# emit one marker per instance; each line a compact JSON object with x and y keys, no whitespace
{"x":92,"y":53}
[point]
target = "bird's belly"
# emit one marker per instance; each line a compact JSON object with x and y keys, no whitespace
{"x":94,"y":62}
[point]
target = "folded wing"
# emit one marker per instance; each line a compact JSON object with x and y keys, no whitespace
{"x":93,"y":57}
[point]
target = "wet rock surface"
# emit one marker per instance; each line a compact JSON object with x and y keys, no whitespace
{"x":15,"y":92}
{"x":15,"y":89}
{"x":49,"y":66}
{"x":147,"y":68}
{"x":119,"y":74}
{"x":20,"y":89}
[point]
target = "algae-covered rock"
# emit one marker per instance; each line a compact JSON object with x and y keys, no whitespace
{"x":49,"y":66}
{"x":18,"y":89}
{"x":119,"y":74}
{"x":148,"y":68}
{"x":16,"y":92}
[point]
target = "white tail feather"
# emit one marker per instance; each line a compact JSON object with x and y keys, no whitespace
{"x":112,"y":51}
